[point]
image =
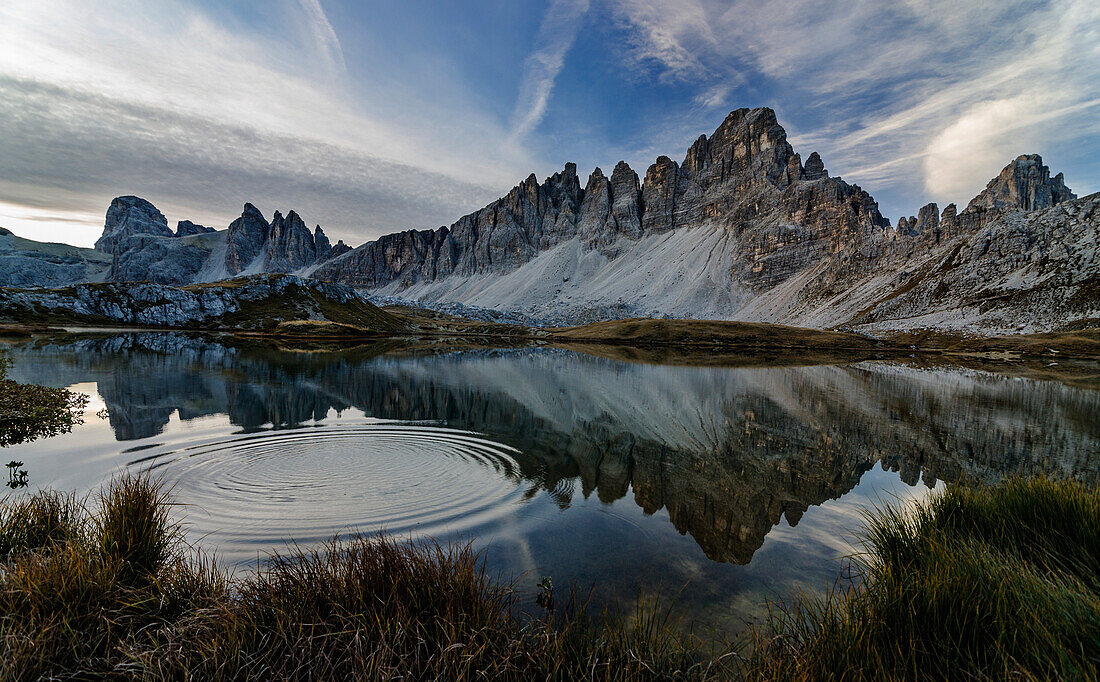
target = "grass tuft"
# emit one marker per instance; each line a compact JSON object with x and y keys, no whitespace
{"x":111,"y":590}
{"x":39,"y":523}
{"x":134,"y":534}
{"x":976,"y":583}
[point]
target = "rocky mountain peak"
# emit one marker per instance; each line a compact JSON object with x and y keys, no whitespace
{"x":749,"y":143}
{"x":321,"y":244}
{"x":290,"y":244}
{"x":128,"y":216}
{"x":1023,"y":184}
{"x":659,"y":195}
{"x":245,"y":239}
{"x":697,"y":158}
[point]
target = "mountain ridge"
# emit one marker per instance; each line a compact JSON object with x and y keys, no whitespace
{"x":741,"y":229}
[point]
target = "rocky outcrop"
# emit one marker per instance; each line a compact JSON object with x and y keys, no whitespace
{"x":1018,"y":272}
{"x":1024,"y":184}
{"x":142,"y":248}
{"x":27,"y":263}
{"x":259,"y":302}
{"x":128,"y":216}
{"x":325,"y":249}
{"x":285,"y":244}
{"x":659,"y":195}
{"x":164,"y":260}
{"x":928,"y":219}
{"x":815,"y":168}
{"x":499,"y":238}
{"x":611,"y":209}
{"x":321,"y":245}
{"x":186,"y":228}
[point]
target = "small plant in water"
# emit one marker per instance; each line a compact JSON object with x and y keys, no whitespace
{"x":545,"y":597}
{"x":17,"y":478}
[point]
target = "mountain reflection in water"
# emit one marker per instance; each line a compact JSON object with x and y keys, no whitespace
{"x":727,"y":452}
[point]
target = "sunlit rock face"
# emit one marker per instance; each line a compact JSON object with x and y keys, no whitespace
{"x":742,"y":229}
{"x":745,"y":178}
{"x":730,"y":453}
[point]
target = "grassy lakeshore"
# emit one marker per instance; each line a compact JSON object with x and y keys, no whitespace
{"x":977,"y":584}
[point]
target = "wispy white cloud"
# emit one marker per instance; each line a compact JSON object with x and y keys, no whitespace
{"x":157,"y":86}
{"x":325,"y":35}
{"x":674,"y":38}
{"x":556,"y":35}
{"x":714,"y":96}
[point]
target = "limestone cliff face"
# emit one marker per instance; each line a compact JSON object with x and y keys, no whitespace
{"x":502,"y":236}
{"x":1022,"y":257}
{"x":285,"y":244}
{"x":164,"y":260}
{"x":745,"y":178}
{"x":290,"y":244}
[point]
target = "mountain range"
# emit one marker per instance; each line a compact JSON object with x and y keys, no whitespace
{"x":741,"y":229}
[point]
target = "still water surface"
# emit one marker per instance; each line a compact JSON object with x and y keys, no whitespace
{"x":721,"y":487}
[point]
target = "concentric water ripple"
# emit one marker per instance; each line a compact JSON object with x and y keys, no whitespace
{"x":257,"y":490}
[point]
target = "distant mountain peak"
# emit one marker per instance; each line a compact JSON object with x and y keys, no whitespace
{"x":128,"y":216}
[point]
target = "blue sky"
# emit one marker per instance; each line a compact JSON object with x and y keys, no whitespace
{"x":370,"y":117}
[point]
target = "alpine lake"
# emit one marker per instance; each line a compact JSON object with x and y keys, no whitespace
{"x":714,"y":488}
